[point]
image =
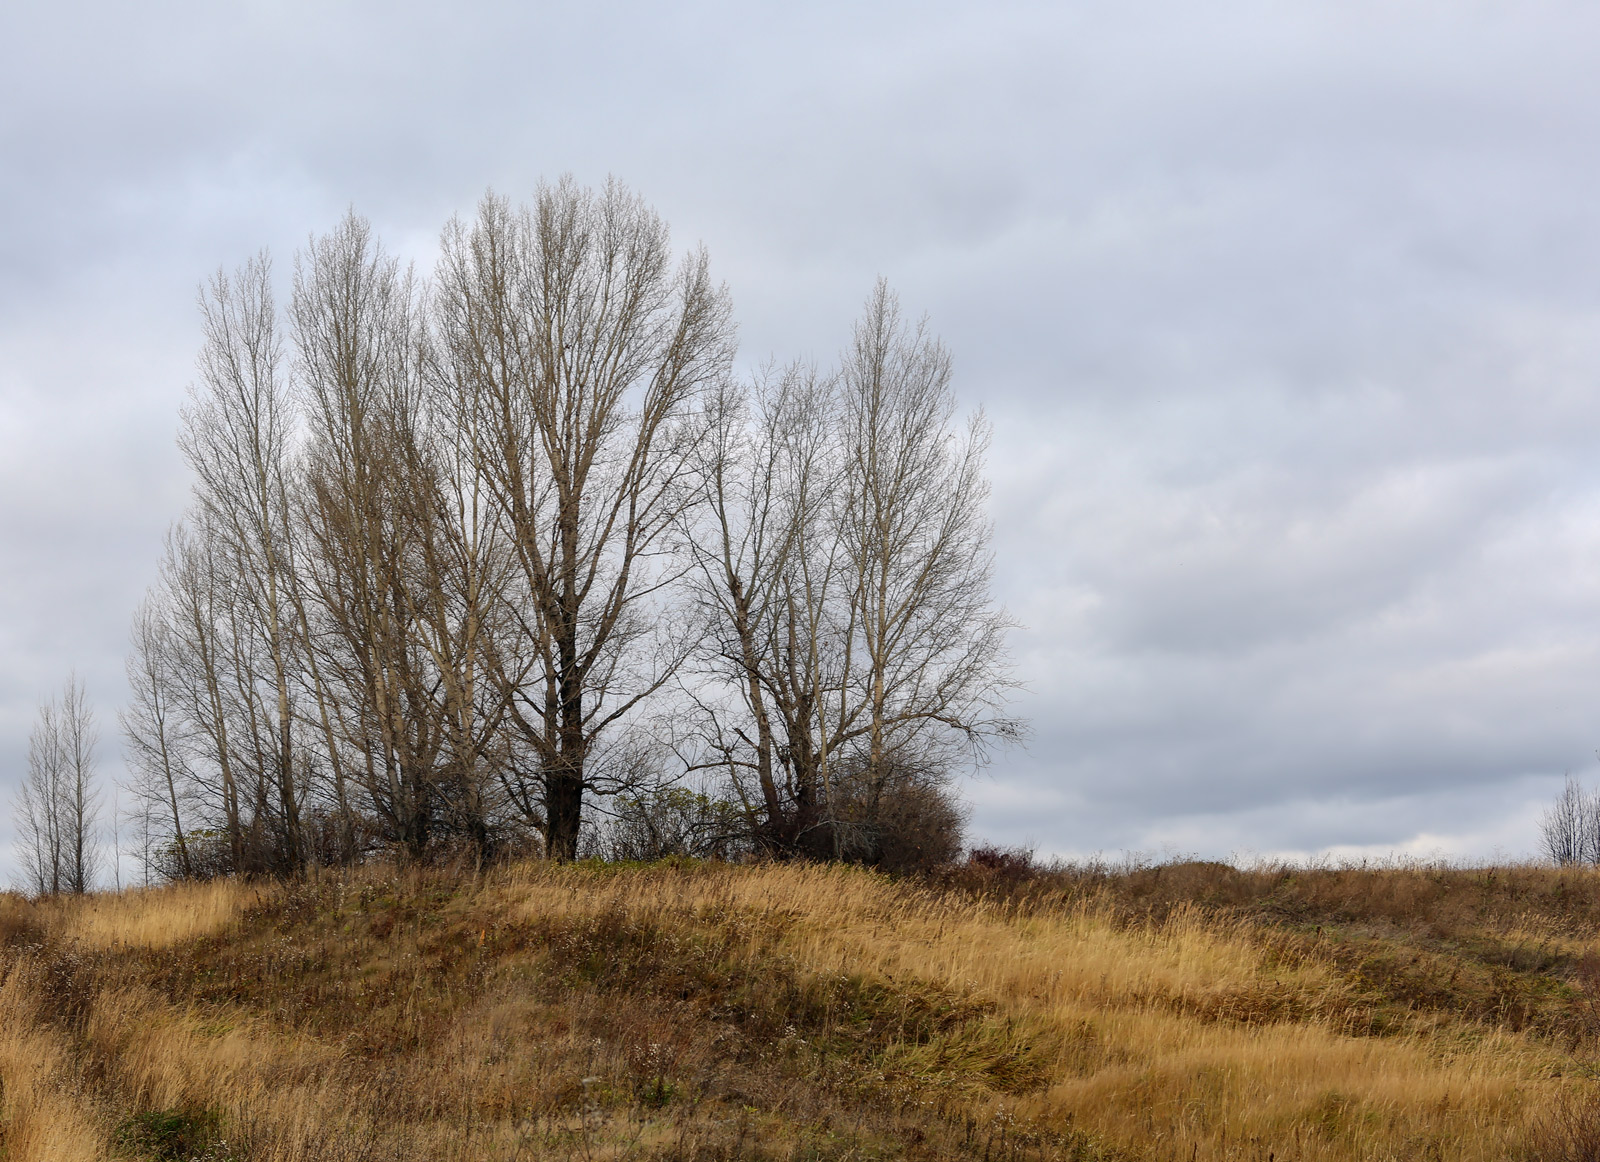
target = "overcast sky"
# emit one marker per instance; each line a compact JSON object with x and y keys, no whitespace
{"x":1287,"y":317}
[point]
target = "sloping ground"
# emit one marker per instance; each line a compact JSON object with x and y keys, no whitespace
{"x":1185,"y":1013}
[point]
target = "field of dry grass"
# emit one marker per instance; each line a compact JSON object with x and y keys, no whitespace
{"x":1187,"y":1012}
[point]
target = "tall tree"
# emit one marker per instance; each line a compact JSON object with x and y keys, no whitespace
{"x":369,"y":496}
{"x":1569,"y":831}
{"x":152,"y":731}
{"x":926,"y":669}
{"x":764,"y":569}
{"x":842,"y":552}
{"x":38,"y":806}
{"x":582,"y":349}
{"x":58,"y":802}
{"x":195,"y":599}
{"x":235,"y":435}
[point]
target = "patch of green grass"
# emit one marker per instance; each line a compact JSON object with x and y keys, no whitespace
{"x":177,"y":1135}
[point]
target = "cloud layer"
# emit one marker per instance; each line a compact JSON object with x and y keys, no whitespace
{"x":1288,"y":319}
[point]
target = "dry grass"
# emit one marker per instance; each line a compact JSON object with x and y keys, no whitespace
{"x":145,"y":918}
{"x":1186,"y":1013}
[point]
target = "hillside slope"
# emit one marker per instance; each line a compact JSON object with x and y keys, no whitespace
{"x":1188,"y":1012}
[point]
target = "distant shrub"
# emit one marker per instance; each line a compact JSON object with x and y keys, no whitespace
{"x":671,"y":821}
{"x":904,"y":819}
{"x":1003,"y":863}
{"x":919,"y":826}
{"x":209,"y":856}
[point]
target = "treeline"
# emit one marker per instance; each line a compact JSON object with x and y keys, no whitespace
{"x":474,"y":556}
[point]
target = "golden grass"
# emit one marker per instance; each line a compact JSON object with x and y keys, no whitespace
{"x":1156,"y":1062}
{"x":147,"y":918}
{"x":44,"y":1114}
{"x":797,"y":1012}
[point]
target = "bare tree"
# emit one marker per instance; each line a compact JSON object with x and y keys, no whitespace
{"x":77,"y":736}
{"x":926,"y":663}
{"x":582,"y":350}
{"x":1569,"y":832}
{"x":235,"y":435}
{"x":198,"y":736}
{"x":58,"y":803}
{"x":196,"y":601}
{"x":369,"y":495}
{"x":38,"y":806}
{"x":844,"y":563}
{"x":765,"y":565}
{"x":152,"y":730}
{"x":465,"y":573}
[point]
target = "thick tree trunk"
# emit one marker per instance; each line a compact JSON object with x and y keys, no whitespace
{"x":564,"y":784}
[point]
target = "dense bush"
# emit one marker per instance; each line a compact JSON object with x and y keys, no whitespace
{"x":906,"y":819}
{"x":671,"y":821}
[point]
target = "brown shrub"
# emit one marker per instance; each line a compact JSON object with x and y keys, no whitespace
{"x":905,"y":818}
{"x":1568,"y":1131}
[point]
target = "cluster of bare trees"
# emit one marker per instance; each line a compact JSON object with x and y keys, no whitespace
{"x":469,"y":553}
{"x":57,"y":807}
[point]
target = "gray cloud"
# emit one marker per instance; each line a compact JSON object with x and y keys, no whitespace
{"x":1287,"y":318}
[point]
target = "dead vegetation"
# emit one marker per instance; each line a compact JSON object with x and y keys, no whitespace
{"x":1189,"y":1011}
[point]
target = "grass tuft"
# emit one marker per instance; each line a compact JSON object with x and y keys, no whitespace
{"x":179,"y":1135}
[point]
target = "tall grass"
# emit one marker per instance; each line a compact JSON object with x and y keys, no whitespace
{"x":787,"y":1011}
{"x":145,"y":918}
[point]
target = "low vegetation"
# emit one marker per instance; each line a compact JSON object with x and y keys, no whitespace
{"x":789,"y":1011}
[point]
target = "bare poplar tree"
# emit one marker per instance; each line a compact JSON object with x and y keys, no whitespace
{"x":845,"y":563}
{"x":371,"y":495}
{"x":58,"y":803}
{"x":465,"y":573}
{"x":235,"y":435}
{"x":76,"y":737}
{"x":927,"y":663}
{"x":583,"y":349}
{"x":765,"y":564}
{"x":38,"y":812}
{"x":199,"y":663}
{"x":152,"y":730}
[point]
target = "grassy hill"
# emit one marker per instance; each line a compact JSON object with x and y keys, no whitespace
{"x":1183,"y":1012}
